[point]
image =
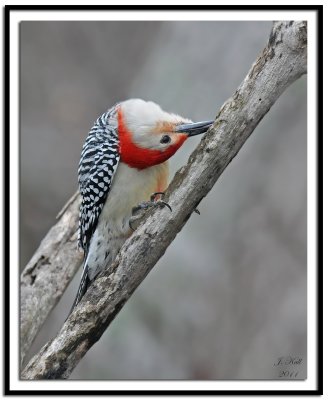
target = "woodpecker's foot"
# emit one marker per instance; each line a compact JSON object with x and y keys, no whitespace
{"x":159,"y":203}
{"x":139,"y":211}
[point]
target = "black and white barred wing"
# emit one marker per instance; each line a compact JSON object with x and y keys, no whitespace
{"x":99,"y":161}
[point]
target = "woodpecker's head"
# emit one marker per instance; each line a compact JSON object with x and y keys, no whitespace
{"x":149,"y":136}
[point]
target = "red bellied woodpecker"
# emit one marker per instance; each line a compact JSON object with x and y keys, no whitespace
{"x":123,"y":164}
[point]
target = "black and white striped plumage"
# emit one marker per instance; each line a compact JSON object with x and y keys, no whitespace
{"x":98,"y":163}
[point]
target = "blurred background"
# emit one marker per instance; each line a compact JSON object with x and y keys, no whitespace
{"x":228,"y":298}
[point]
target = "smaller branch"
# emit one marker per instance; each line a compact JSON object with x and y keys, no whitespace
{"x":48,"y":273}
{"x":68,"y":204}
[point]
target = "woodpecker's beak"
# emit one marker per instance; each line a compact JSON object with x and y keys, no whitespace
{"x":194,"y":129}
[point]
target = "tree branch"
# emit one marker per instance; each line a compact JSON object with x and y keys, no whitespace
{"x":281,"y":62}
{"x":46,"y":276}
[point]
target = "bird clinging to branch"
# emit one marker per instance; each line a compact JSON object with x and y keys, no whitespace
{"x":122,"y":171}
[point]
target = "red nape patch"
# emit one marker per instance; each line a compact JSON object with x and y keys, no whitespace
{"x":139,"y":157}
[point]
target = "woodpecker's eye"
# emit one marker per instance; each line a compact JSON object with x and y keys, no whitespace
{"x":165,"y":139}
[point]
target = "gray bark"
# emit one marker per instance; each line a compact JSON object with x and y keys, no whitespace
{"x":48,"y":273}
{"x":281,"y":62}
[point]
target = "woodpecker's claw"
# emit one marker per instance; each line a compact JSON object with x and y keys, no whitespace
{"x":153,"y":196}
{"x":145,"y":205}
{"x":162,"y":204}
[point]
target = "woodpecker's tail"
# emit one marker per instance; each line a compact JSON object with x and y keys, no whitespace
{"x":84,"y":284}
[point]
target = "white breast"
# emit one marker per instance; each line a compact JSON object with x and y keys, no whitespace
{"x":129,"y":188}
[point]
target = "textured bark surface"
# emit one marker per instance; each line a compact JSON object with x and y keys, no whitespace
{"x":281,"y":62}
{"x":46,"y":276}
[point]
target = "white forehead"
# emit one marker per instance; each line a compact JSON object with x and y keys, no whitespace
{"x":138,"y":114}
